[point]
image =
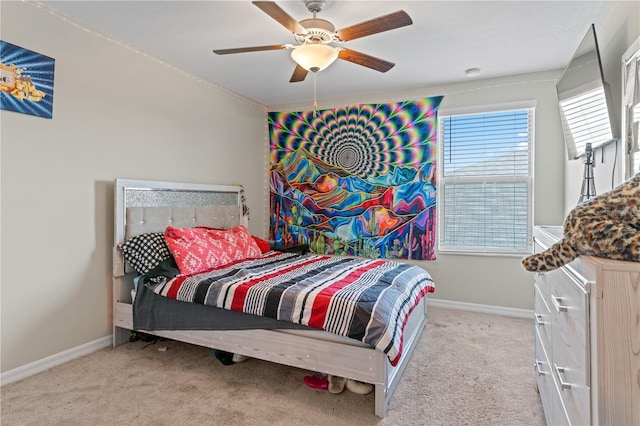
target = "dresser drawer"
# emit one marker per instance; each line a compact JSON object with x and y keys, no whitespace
{"x":552,"y":403}
{"x":544,"y":379}
{"x":542,"y":318}
{"x":569,"y":305}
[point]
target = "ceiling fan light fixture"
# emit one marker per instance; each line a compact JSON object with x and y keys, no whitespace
{"x":314,"y":57}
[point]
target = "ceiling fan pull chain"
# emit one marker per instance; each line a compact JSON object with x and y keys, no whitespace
{"x":315,"y":103}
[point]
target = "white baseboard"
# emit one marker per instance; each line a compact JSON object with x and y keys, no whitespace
{"x":51,"y":361}
{"x":483,"y":309}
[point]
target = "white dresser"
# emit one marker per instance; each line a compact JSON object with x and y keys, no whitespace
{"x":587,"y":334}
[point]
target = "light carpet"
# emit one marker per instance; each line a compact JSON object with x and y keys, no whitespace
{"x":468,"y":369}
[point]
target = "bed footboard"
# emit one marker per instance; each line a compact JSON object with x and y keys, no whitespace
{"x":415,"y":325}
{"x":313,"y":350}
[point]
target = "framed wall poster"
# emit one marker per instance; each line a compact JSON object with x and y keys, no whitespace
{"x":358,"y":180}
{"x":26,"y":81}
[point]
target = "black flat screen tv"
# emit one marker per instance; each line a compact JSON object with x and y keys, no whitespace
{"x":585,"y":101}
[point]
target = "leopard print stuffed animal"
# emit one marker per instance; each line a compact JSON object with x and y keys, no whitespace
{"x":607,"y":226}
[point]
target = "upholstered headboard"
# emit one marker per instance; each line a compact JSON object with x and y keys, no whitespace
{"x":140,"y":220}
{"x":150,"y":206}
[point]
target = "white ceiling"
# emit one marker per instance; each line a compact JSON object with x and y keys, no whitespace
{"x":446,"y":38}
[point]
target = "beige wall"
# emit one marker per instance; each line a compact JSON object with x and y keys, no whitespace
{"x":116,"y":113}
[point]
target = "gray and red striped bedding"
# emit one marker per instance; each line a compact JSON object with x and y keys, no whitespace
{"x":364,"y":299}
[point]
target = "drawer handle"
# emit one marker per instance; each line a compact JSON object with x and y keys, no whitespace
{"x":538,"y":320}
{"x":539,"y":369}
{"x":560,"y":371}
{"x":557,"y":303}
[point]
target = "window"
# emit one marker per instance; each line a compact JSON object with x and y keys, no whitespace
{"x":631,"y":108}
{"x":635,"y":166}
{"x":485,"y":192}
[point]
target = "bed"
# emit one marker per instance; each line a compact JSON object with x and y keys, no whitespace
{"x":143,"y":207}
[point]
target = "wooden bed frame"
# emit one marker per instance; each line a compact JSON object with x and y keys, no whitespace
{"x":149,"y":206}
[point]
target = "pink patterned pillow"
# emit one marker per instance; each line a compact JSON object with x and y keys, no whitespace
{"x":199,"y":249}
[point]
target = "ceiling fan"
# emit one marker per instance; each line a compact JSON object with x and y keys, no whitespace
{"x":315,"y":37}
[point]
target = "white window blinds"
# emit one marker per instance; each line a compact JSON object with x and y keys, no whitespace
{"x":485,"y":187}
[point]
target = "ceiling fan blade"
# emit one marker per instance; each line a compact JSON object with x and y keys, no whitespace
{"x":365,"y":60}
{"x":250,"y":49}
{"x":273,"y":10}
{"x":376,"y":25}
{"x":299,"y":74}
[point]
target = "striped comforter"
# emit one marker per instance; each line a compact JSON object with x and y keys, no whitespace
{"x":364,"y":299}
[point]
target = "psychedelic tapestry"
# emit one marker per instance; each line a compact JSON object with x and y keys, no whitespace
{"x":358,"y":180}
